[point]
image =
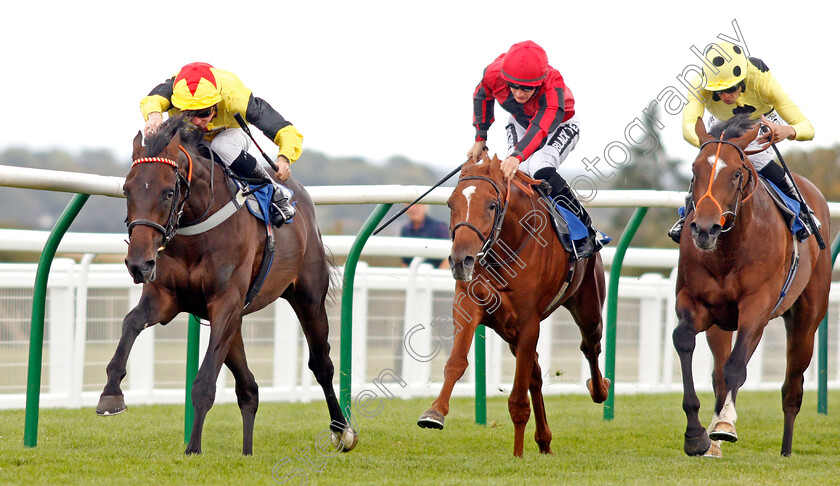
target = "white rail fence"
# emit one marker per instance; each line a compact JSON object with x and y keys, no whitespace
{"x":393,"y":306}
{"x":402,"y":327}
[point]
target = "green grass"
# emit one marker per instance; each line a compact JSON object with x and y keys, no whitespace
{"x":642,"y":445}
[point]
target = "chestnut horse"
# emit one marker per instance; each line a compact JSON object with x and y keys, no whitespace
{"x":512,"y":272}
{"x":733,"y":266}
{"x":208,"y":274}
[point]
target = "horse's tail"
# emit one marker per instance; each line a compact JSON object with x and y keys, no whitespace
{"x":334,"y":276}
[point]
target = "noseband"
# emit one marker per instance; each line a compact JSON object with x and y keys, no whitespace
{"x":741,"y":199}
{"x":178,"y":202}
{"x":498,"y":217}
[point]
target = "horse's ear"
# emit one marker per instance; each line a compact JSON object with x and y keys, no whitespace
{"x":172,"y":146}
{"x":138,"y":146}
{"x":700,"y":130}
{"x":747,"y":138}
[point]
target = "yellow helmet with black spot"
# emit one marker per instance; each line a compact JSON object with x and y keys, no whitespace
{"x":730,"y":66}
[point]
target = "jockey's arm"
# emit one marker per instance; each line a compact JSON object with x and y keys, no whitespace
{"x":274,"y":126}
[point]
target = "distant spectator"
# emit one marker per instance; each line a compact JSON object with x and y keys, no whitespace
{"x":422,"y":226}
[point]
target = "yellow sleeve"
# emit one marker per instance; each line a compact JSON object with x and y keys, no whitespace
{"x":775,"y":96}
{"x":290,"y":142}
{"x":695,"y":108}
{"x":153,"y":103}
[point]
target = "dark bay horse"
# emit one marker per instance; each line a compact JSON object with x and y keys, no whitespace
{"x":209,"y":274}
{"x":512,"y":272}
{"x":733,"y":266}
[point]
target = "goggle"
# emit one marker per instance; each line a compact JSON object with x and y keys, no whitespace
{"x":521,"y":87}
{"x":730,"y":90}
{"x":204,"y":113}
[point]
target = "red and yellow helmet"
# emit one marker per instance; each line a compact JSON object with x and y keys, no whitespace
{"x":730,"y":71}
{"x":195,"y":87}
{"x":525,"y":63}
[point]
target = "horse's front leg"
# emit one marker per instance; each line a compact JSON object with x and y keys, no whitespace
{"x":518,"y":404}
{"x":153,"y":307}
{"x":691,"y":319}
{"x":720,"y":343}
{"x":542,"y":434}
{"x":433,"y":418}
{"x":247,"y":391}
{"x":224,"y":325}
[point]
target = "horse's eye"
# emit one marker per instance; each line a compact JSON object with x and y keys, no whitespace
{"x":492,"y":206}
{"x":170,"y":193}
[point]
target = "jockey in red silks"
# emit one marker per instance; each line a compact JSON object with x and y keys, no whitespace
{"x":542,"y":129}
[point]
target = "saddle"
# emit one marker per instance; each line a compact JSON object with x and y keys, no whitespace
{"x":787,"y":206}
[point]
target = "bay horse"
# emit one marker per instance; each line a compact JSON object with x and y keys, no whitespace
{"x":512,"y":272}
{"x":733,"y":266}
{"x":208,"y":274}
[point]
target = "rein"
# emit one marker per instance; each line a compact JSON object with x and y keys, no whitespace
{"x":178,"y":203}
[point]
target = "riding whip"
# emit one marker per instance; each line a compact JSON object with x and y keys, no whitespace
{"x":244,"y":126}
{"x":386,"y":223}
{"x":810,"y":217}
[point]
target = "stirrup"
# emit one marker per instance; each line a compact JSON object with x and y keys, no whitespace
{"x":806,"y":230}
{"x":281,"y":211}
{"x":676,"y":231}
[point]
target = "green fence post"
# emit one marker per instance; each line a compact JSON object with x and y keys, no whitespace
{"x":193,"y":331}
{"x":822,"y":352}
{"x":39,"y":301}
{"x":346,"y":365}
{"x":612,"y":305}
{"x":480,"y":376}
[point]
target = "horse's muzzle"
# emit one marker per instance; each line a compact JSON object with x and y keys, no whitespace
{"x":142,"y":272}
{"x":463,"y":269}
{"x":705,"y":238}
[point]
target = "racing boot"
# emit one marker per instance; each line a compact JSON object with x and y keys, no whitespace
{"x":676,"y":231}
{"x":774,"y":173}
{"x":561,"y":193}
{"x":281,"y":209}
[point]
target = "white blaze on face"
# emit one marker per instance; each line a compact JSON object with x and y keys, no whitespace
{"x":468,"y":193}
{"x":720,"y":165}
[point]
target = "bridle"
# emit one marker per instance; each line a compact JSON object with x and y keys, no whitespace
{"x":498,"y":217}
{"x":741,"y":196}
{"x":178,"y":202}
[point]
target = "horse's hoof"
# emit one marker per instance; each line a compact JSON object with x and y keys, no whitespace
{"x":431,"y":419}
{"x":110,"y":405}
{"x":346,"y":440}
{"x":724,"y":431}
{"x":714,"y":451}
{"x":598,"y":398}
{"x":697,"y":446}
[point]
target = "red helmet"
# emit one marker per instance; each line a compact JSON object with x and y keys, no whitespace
{"x":525,"y":63}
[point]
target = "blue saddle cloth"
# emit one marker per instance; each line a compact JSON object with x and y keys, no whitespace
{"x":577,"y":230}
{"x":263,"y":197}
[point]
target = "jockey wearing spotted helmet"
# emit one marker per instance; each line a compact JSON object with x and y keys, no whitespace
{"x":211,"y":97}
{"x":543,"y":127}
{"x":737,"y":84}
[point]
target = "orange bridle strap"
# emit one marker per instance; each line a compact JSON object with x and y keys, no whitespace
{"x":708,"y":193}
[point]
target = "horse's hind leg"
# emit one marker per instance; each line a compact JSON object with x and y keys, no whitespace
{"x":247,"y":390}
{"x":586,"y":311}
{"x":153,"y":308}
{"x":542,"y":435}
{"x":800,"y":349}
{"x":307,"y":298}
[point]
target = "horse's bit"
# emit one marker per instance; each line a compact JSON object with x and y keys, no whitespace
{"x":178,"y":202}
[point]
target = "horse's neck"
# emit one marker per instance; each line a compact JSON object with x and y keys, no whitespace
{"x":210,"y":187}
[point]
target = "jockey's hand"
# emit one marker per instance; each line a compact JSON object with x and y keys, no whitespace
{"x":509,"y":167}
{"x":476,"y":150}
{"x":283,"y":169}
{"x":780,"y":132}
{"x":155,"y":119}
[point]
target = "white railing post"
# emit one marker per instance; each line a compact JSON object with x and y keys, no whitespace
{"x":650,"y":334}
{"x":61,"y":290}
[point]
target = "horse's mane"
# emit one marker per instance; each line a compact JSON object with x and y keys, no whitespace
{"x":190,"y":135}
{"x":734,"y":127}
